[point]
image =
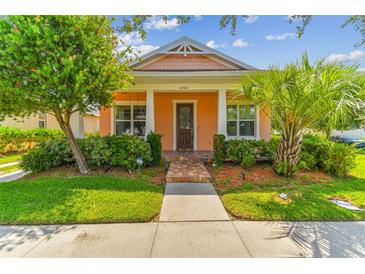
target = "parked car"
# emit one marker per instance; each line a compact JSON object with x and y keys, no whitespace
{"x":349,"y":140}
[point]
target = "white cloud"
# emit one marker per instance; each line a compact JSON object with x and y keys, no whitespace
{"x":198,"y":17}
{"x":251,"y":19}
{"x":283,"y":36}
{"x":239,"y":43}
{"x":129,"y":39}
{"x":212,"y":44}
{"x":143,"y":49}
{"x":136,"y":43}
{"x":352,"y":56}
{"x":159,"y":24}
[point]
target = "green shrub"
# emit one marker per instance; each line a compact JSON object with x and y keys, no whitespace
{"x":248,"y":160}
{"x":154,"y":140}
{"x":283,"y":168}
{"x":20,"y":140}
{"x":219,"y":149}
{"x":108,"y":151}
{"x":340,"y":159}
{"x":314,"y":150}
{"x":242,"y":152}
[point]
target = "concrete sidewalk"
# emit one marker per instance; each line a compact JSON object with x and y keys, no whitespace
{"x":186,"y":239}
{"x":192,"y":202}
{"x":13,"y":176}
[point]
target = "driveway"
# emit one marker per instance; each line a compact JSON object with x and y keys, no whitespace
{"x":187,"y":239}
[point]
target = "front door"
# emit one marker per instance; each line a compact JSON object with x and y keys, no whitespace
{"x":185,"y":126}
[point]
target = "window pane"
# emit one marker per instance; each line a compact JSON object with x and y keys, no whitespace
{"x":185,"y":116}
{"x":123,"y":112}
{"x":247,"y":128}
{"x":139,"y":128}
{"x":41,"y":124}
{"x":247,"y":112}
{"x":122,"y":127}
{"x":231,"y":112}
{"x":232,"y":128}
{"x":139,"y":112}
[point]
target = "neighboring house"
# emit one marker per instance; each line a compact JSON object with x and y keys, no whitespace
{"x":87,"y":123}
{"x":187,"y":92}
{"x":358,"y":133}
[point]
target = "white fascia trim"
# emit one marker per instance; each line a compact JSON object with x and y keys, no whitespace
{"x":257,"y":122}
{"x":174,"y":137}
{"x":129,"y":103}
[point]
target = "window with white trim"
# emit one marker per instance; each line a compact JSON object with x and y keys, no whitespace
{"x":41,"y":120}
{"x":130,"y":119}
{"x":240,"y":120}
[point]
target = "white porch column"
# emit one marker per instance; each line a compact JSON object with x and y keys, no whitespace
{"x":150,"y":111}
{"x":222,"y":121}
{"x":77,"y":124}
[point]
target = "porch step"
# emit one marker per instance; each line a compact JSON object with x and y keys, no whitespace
{"x":184,"y":170}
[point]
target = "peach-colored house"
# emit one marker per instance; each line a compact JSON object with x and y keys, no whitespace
{"x":187,"y":92}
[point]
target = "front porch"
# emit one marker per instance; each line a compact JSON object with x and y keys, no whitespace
{"x":200,"y":155}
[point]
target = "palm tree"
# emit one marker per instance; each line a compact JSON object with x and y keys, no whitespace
{"x":299,"y":96}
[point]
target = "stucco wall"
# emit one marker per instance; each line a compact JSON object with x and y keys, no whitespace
{"x":22,"y":123}
{"x":206,"y":116}
{"x":105,"y":113}
{"x":91,"y":123}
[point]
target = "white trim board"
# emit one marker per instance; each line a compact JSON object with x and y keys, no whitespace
{"x":174,"y":137}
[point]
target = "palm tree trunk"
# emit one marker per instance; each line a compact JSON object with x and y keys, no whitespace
{"x":288,"y":154}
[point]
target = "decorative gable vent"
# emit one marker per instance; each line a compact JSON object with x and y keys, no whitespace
{"x":194,"y":50}
{"x":185,"y":49}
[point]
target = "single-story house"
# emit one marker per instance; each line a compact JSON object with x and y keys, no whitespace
{"x":187,"y":92}
{"x":80,"y":123}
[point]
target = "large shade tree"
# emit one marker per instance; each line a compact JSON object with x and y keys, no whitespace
{"x":59,"y":65}
{"x":299,"y":96}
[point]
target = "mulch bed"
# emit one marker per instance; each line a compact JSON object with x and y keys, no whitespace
{"x":229,"y":176}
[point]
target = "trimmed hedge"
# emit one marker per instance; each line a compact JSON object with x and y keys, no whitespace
{"x":219,"y":149}
{"x":20,"y":140}
{"x":154,"y":140}
{"x":108,"y":151}
{"x":242,"y":151}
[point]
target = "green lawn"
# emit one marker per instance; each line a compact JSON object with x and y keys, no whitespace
{"x":91,"y":199}
{"x":10,"y":158}
{"x":307,"y":202}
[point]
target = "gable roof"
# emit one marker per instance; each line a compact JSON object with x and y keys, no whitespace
{"x":186,"y":46}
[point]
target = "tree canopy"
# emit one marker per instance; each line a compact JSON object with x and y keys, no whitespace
{"x":300,"y":95}
{"x":59,"y":65}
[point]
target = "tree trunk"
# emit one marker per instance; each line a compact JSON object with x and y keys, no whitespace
{"x":75,"y":148}
{"x":288,"y":155}
{"x":79,"y":157}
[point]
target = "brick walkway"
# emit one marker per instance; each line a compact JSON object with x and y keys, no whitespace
{"x":187,"y":171}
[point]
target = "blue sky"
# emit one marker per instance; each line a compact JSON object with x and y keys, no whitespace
{"x":262,"y":40}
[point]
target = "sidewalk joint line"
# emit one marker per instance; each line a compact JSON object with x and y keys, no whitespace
{"x":239,"y":235}
{"x":153,"y":242}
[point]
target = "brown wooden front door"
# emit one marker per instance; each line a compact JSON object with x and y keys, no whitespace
{"x":185,"y":126}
